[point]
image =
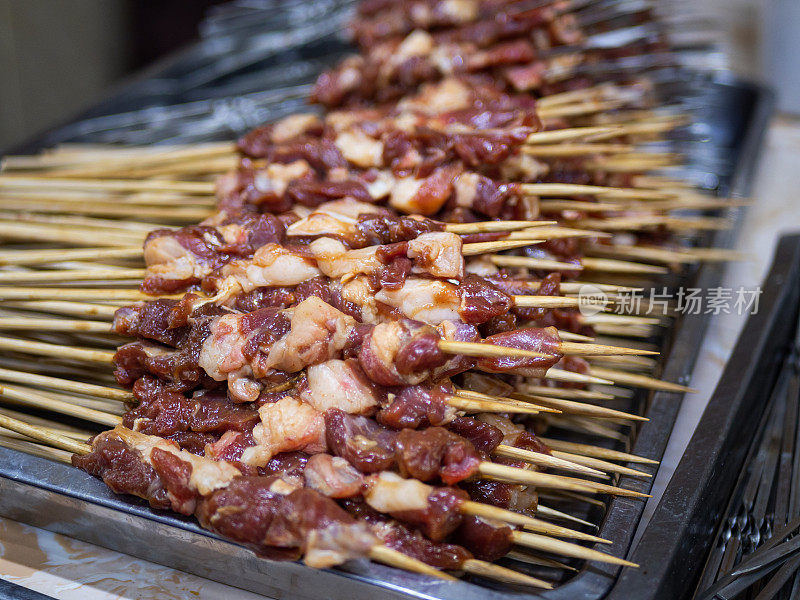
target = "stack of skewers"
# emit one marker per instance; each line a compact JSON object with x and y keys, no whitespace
{"x":356,"y":352}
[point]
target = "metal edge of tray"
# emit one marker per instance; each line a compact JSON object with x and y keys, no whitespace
{"x":673,"y":549}
{"x":624,"y":514}
{"x":61,"y":499}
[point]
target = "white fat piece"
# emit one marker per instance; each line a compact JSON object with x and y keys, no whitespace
{"x":404,"y":193}
{"x":465,"y":188}
{"x":380,"y":185}
{"x":167,"y":259}
{"x":207,"y":475}
{"x":293,"y":126}
{"x":448,"y":95}
{"x":275,"y":177}
{"x":428,"y":300}
{"x":359,"y":292}
{"x":271,"y":265}
{"x":416,"y":43}
{"x":437,"y":253}
{"x":286,"y":425}
{"x":334,"y":260}
{"x":318,"y":331}
{"x":335,"y":384}
{"x":221,"y":353}
{"x":360,"y":149}
{"x":387,"y":492}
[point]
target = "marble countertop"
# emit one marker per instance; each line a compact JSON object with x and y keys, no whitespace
{"x":72,"y":570}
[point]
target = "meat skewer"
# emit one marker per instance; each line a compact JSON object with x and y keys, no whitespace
{"x":313,"y":332}
{"x":492,"y":43}
{"x":210,"y":477}
{"x":299,"y":430}
{"x":210,"y":474}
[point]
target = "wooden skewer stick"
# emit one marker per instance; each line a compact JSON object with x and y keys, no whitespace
{"x":488,"y":511}
{"x":619,"y":266}
{"x":637,"y":223}
{"x":584,"y":425}
{"x":634,"y":362}
{"x":68,"y":385}
{"x":580,"y":349}
{"x":56,"y":350}
{"x":599,"y":464}
{"x":185,"y":214}
{"x":602,"y":90}
{"x":128,"y":227}
{"x":77,"y":309}
{"x":562,"y":495}
{"x":72,"y":236}
{"x":572,"y":377}
{"x":547,"y":206}
{"x":568,"y":336}
{"x":23,"y":444}
{"x":28,"y":397}
{"x":546,"y":302}
{"x":69,"y":275}
{"x":110,"y":156}
{"x":638,"y":380}
{"x":546,"y":544}
{"x":180,"y":170}
{"x":481,"y":568}
{"x":489,"y":247}
{"x":566,"y":393}
{"x":596,"y":451}
{"x":580,"y":408}
{"x":574,"y":110}
{"x":100,"y":294}
{"x":608,"y":319}
{"x":540,"y":459}
{"x":533,"y":263}
{"x":563,"y":406}
{"x":575,"y":287}
{"x":477,"y":406}
{"x":154,"y":199}
{"x":574,"y":189}
{"x":72,"y":432}
{"x":570,"y":133}
{"x":393,"y":558}
{"x":631,"y":331}
{"x":566,"y":348}
{"x":552,"y":513}
{"x":30,"y":257}
{"x":42,"y":435}
{"x":595,"y":264}
{"x":478,"y":349}
{"x":546,"y":480}
{"x":555,"y":233}
{"x":116,"y":185}
{"x":688,"y":255}
{"x":54,"y":324}
{"x":494,"y":226}
{"x":559,"y":150}
{"x":539,"y":561}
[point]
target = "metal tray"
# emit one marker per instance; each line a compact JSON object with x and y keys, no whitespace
{"x":673,"y":549}
{"x":722,"y":148}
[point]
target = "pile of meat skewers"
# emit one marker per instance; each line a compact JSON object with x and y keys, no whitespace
{"x":339,"y":363}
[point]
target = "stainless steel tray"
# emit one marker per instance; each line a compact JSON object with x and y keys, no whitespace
{"x":730,"y":114}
